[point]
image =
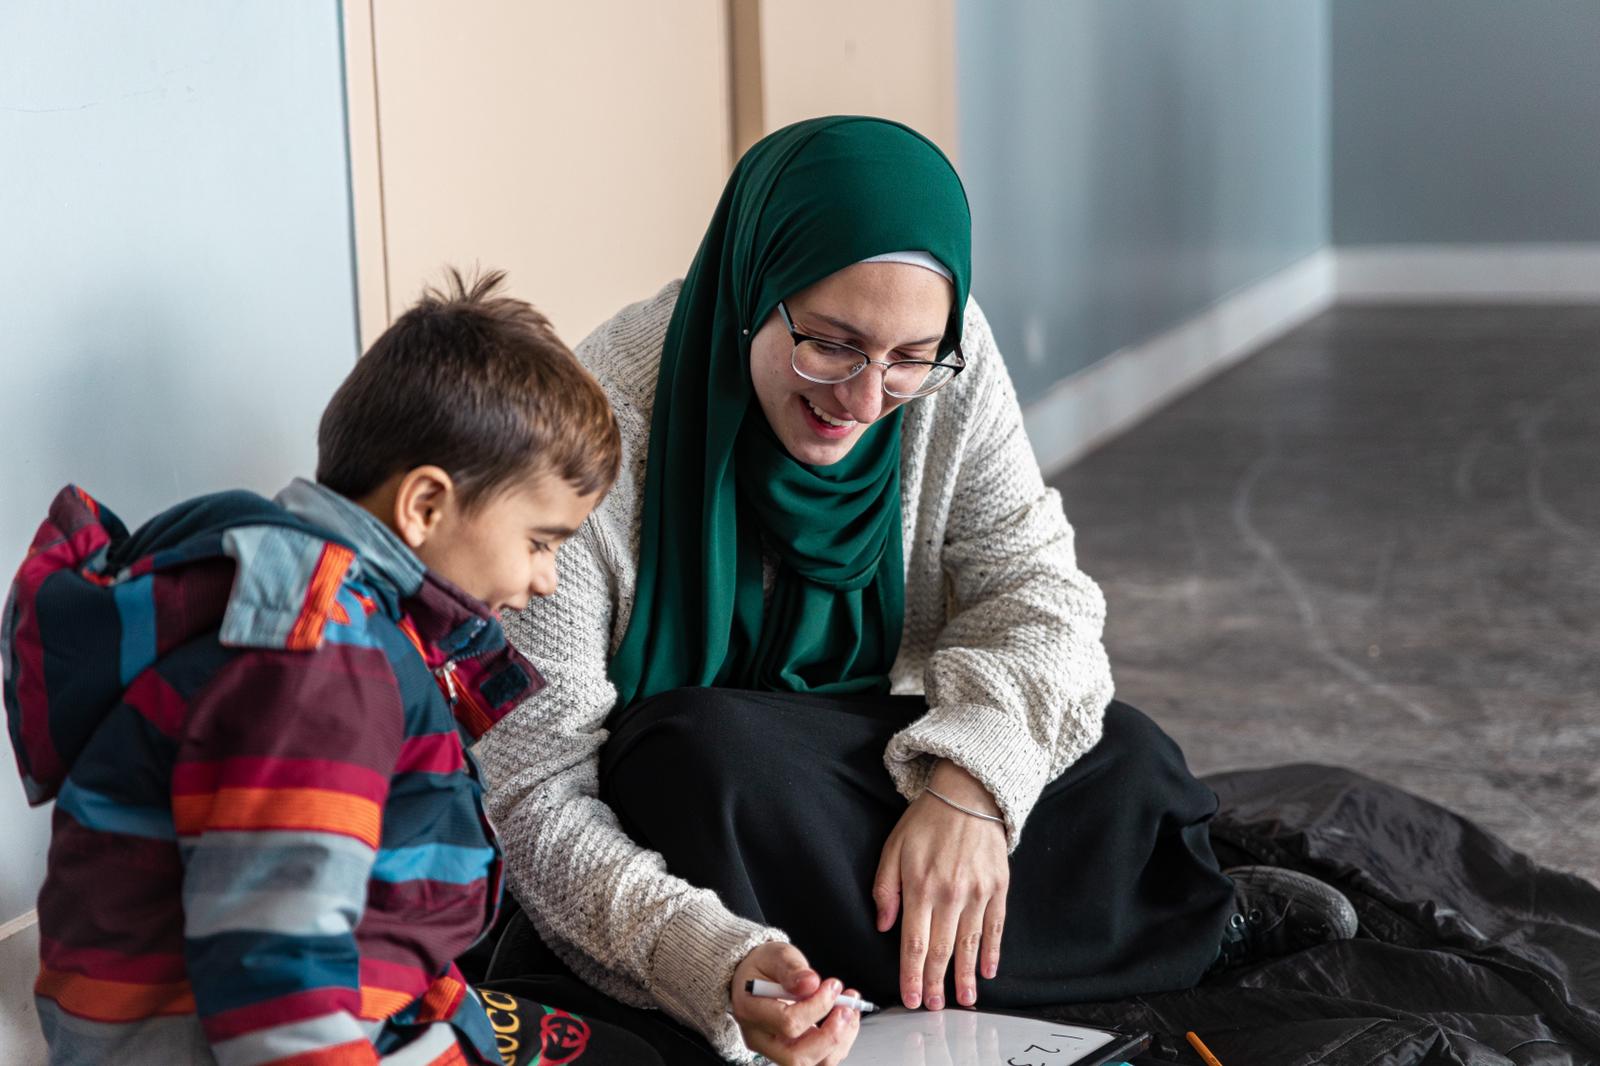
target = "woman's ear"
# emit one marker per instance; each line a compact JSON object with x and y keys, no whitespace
{"x":424,"y":496}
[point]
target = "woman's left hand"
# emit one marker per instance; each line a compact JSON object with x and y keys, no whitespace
{"x":946,"y":873}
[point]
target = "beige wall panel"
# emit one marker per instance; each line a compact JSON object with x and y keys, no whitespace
{"x":893,"y":58}
{"x":579,"y":146}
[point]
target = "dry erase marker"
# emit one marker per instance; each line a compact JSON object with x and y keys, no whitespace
{"x":773,"y":990}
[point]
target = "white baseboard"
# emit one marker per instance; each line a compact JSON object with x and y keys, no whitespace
{"x":16,"y":925}
{"x":1553,"y":273}
{"x":1102,"y":400}
{"x":21,"y":1040}
{"x":1090,"y":407}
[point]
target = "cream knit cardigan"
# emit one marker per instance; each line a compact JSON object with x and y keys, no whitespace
{"x":1002,"y":632}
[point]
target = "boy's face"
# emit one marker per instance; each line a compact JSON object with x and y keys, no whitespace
{"x":504,"y":551}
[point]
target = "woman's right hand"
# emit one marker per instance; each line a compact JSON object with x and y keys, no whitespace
{"x":810,"y":1031}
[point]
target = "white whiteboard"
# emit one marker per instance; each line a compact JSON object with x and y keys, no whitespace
{"x":899,"y":1037}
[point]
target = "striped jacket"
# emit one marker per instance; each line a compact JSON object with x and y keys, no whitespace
{"x":268,"y":841}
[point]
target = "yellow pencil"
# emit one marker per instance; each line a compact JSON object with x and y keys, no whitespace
{"x":1200,"y":1046}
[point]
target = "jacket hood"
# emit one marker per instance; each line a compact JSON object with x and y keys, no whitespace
{"x":92,"y":606}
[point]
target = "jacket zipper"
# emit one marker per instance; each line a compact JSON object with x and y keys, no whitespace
{"x":455,"y":693}
{"x":448,"y":673}
{"x":458,"y":693}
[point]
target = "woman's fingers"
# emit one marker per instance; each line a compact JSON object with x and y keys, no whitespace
{"x":848,"y":1027}
{"x":807,"y":998}
{"x":994,"y":926}
{"x":824,"y":1044}
{"x":780,"y":963}
{"x":784,"y":1019}
{"x":886,"y":886}
{"x":969,"y":937}
{"x":943,"y":869}
{"x":914,"y":923}
{"x":786,"y":965}
{"x":941,"y":946}
{"x":804,"y":1028}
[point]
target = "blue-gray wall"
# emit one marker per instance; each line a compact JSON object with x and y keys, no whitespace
{"x":1459,"y":121}
{"x":176,"y":283}
{"x":1132,"y":162}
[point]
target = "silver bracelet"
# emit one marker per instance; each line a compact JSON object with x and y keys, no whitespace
{"x":964,"y":810}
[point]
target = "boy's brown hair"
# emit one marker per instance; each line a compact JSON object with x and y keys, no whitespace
{"x":476,"y":383}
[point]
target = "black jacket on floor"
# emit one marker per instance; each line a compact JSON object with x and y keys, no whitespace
{"x":1469,"y":953}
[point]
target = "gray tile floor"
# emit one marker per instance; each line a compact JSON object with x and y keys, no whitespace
{"x":1376,"y":543}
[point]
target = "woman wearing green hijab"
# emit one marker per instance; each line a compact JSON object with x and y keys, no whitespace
{"x":825,"y":652}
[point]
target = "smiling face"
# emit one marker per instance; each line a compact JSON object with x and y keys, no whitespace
{"x":888,"y":310}
{"x":501,"y":550}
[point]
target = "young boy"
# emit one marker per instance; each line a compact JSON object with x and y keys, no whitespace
{"x":268,"y":842}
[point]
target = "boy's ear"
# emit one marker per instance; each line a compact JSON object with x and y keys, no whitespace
{"x":420,"y":503}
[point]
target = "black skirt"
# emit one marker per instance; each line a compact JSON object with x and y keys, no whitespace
{"x":781,"y":804}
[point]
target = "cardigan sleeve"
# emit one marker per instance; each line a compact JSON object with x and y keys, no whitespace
{"x":608,"y":907}
{"x":639,"y":933}
{"x":1018,"y":679}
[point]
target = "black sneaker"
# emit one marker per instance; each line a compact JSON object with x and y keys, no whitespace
{"x":1278,"y":912}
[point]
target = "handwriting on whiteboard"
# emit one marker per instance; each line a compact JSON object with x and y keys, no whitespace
{"x":971,"y":1038}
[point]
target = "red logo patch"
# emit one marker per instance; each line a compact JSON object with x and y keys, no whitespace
{"x":562,"y":1038}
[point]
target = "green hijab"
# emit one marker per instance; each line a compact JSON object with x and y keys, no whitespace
{"x":803,"y":203}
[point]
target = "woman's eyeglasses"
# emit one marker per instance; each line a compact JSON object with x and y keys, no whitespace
{"x":830,"y":362}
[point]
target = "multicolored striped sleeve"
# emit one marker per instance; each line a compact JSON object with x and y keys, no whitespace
{"x":277,"y":797}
